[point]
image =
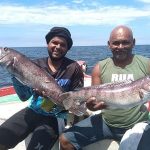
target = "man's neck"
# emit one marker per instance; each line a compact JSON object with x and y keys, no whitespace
{"x":54,"y":65}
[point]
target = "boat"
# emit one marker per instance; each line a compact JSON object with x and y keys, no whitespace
{"x":10,"y":104}
{"x":7,"y":91}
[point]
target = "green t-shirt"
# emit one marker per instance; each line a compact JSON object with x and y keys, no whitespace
{"x":124,"y":118}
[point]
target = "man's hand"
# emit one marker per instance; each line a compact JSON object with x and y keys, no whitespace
{"x":94,"y":105}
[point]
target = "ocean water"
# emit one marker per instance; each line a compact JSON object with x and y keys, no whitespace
{"x":90,"y":54}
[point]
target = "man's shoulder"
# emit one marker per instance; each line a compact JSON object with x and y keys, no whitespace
{"x":141,"y":58}
{"x":72,"y":66}
{"x":68,"y":60}
{"x":105,"y":60}
{"x":70,"y":63}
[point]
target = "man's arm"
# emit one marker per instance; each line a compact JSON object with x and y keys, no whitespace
{"x":96,"y":75}
{"x":92,"y":103}
{"x":23,"y":92}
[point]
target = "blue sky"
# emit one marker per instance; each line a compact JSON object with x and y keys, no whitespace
{"x":26,"y":22}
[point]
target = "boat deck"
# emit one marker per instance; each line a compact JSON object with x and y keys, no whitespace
{"x":7,"y":109}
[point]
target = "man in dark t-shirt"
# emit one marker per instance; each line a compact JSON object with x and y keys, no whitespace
{"x":42,"y":116}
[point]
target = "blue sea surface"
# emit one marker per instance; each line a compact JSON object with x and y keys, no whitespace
{"x":90,"y":54}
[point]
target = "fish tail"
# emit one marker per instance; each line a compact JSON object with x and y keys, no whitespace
{"x":72,"y":103}
{"x":66,"y":100}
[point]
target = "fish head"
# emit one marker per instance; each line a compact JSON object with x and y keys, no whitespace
{"x":146,"y":83}
{"x":4,"y":55}
{"x":8,"y":57}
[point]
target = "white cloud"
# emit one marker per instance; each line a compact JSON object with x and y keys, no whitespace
{"x":144,"y":1}
{"x":65,"y":15}
{"x":77,"y":1}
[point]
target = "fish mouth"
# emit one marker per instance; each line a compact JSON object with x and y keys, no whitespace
{"x":1,"y":54}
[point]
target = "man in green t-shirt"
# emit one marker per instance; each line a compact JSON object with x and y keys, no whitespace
{"x":111,"y":124}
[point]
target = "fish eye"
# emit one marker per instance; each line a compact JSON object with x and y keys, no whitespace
{"x":5,"y":49}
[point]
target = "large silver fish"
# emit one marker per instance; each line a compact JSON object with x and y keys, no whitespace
{"x":29,"y":73}
{"x":116,"y":95}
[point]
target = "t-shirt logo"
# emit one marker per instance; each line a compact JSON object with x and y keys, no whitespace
{"x":122,"y":77}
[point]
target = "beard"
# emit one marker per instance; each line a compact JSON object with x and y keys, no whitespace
{"x":54,"y":58}
{"x":122,"y":55}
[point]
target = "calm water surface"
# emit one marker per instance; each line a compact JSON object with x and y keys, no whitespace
{"x":90,"y":54}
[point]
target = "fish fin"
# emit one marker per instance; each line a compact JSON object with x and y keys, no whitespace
{"x":78,"y":112}
{"x":74,"y":104}
{"x":64,"y":96}
{"x":110,"y":85}
{"x":21,"y":81}
{"x":144,"y":95}
{"x":66,"y":100}
{"x":15,"y":60}
{"x":118,"y":83}
{"x":12,"y":63}
{"x":122,"y":82}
